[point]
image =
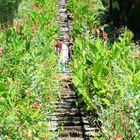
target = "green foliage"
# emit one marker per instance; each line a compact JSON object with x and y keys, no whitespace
{"x":8,"y":9}
{"x":27,"y":73}
{"x":122,"y":118}
{"x":106,"y":75}
{"x":84,"y":12}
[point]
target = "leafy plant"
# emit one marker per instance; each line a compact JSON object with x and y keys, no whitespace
{"x":106,"y":74}
{"x":27,"y":72}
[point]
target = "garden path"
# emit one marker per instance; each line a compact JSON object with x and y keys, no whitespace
{"x":68,"y":120}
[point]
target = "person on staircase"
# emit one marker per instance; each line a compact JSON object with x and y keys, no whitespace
{"x":70,"y":52}
{"x":58,"y":49}
{"x":64,"y":55}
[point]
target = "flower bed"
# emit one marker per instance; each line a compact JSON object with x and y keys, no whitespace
{"x":27,"y":72}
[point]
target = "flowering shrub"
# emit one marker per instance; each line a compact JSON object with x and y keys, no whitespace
{"x":106,"y":75}
{"x":121,"y":120}
{"x":27,"y":72}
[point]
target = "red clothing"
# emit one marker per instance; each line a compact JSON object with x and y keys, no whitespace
{"x":59,"y":47}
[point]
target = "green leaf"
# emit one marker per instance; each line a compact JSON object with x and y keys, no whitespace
{"x":80,"y":73}
{"x":99,"y":46}
{"x":137,"y":77}
{"x":106,"y":101}
{"x":3,"y":87}
{"x":28,"y":46}
{"x":96,"y":85}
{"x":101,"y":93}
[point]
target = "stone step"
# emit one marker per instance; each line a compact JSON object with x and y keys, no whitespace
{"x":66,"y":114}
{"x":78,"y":128}
{"x":70,"y":138}
{"x":62,"y":6}
{"x":62,"y":10}
{"x":64,"y":34}
{"x":53,"y":129}
{"x":90,"y":129}
{"x":71,"y":133}
{"x":69,"y":114}
{"x":64,"y":29}
{"x":70,"y":109}
{"x":63,"y":14}
{"x":63,"y":19}
{"x":62,"y":103}
{"x":63,"y":93}
{"x":68,"y":97}
{"x":69,"y":123}
{"x":66,"y":106}
{"x":69,"y":118}
{"x":63,"y":22}
{"x":89,"y":134}
{"x":63,"y":26}
{"x":68,"y":100}
{"x":63,"y":2}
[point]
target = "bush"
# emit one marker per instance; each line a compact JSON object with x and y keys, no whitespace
{"x":106,"y":75}
{"x":27,"y":73}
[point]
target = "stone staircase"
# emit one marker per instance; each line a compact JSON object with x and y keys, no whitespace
{"x":68,"y":122}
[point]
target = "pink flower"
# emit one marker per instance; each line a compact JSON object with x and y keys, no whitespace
{"x":36,"y":105}
{"x":0,"y":51}
{"x":105,"y":36}
{"x":97,"y":31}
{"x":33,"y":28}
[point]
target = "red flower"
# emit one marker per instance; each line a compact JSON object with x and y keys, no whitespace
{"x":118,"y":136}
{"x":105,"y":36}
{"x":97,"y":31}
{"x":0,"y":51}
{"x":36,"y":105}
